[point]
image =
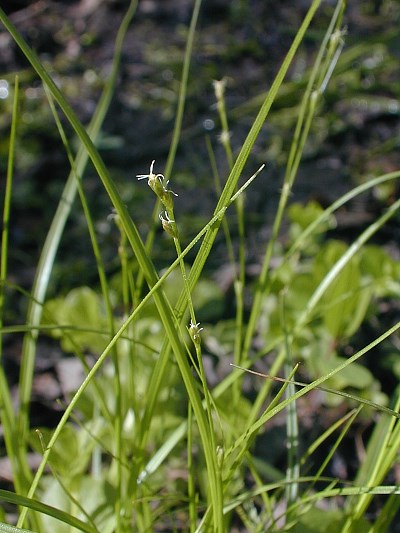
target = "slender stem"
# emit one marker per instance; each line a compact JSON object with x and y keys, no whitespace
{"x":20,"y":469}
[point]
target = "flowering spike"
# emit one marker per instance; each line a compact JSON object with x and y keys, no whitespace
{"x":194,"y":332}
{"x":156,"y":183}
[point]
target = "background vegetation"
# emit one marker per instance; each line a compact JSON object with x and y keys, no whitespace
{"x":125,"y":302}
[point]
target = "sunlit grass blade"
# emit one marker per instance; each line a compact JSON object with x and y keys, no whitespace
{"x":169,"y":445}
{"x":337,"y":204}
{"x":349,"y":418}
{"x":179,"y":433}
{"x":183,"y":88}
{"x":292,"y":426}
{"x":270,"y":413}
{"x":243,"y":442}
{"x":172,"y":452}
{"x":164,"y":309}
{"x":387,"y":515}
{"x":382,"y":408}
{"x":51,"y":244}
{"x":177,"y":124}
{"x":383,"y":490}
{"x":381,"y":456}
{"x":304,"y":120}
{"x":355,"y":247}
{"x":247,"y":147}
{"x":328,"y":432}
{"x":40,"y":507}
{"x":18,"y":463}
{"x":117,"y":415}
{"x":224,"y":200}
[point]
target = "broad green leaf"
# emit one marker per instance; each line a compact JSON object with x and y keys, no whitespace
{"x":81,"y":313}
{"x":71,"y":454}
{"x":302,"y":216}
{"x":93,"y":496}
{"x":344,"y":300}
{"x":383,"y":270}
{"x":361,"y":300}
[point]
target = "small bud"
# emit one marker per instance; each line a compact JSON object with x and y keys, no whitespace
{"x":168,"y":225}
{"x":220,"y":456}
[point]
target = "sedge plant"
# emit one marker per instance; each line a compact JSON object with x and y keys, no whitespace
{"x":145,"y":442}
